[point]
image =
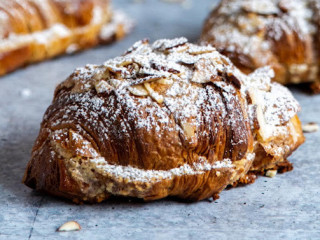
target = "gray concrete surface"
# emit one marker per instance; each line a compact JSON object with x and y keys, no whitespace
{"x":284,"y":207}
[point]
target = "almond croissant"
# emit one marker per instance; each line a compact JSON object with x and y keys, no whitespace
{"x":281,"y":33}
{"x":165,"y":119}
{"x":34,"y":30}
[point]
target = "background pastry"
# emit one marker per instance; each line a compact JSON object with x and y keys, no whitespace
{"x":280,"y":33}
{"x":165,"y":119}
{"x":33,"y":30}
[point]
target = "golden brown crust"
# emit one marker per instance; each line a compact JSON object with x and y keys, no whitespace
{"x":167,"y":119}
{"x":279,"y":33}
{"x":269,"y":157}
{"x":34,"y":30}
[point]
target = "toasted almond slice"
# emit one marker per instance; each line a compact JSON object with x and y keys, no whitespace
{"x":138,"y":90}
{"x":165,"y":81}
{"x":147,"y":79}
{"x":69,"y":226}
{"x":114,"y":82}
{"x":271,"y":173}
{"x":102,"y":86}
{"x":126,"y":62}
{"x":196,"y":50}
{"x":165,"y":44}
{"x":159,"y":98}
{"x":180,"y":49}
{"x":310,"y":127}
{"x":204,"y":69}
{"x":189,"y":130}
{"x":266,"y":130}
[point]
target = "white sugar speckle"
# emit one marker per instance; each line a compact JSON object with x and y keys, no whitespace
{"x":133,"y":174}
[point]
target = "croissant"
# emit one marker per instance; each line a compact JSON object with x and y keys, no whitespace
{"x":34,"y":30}
{"x":281,"y":33}
{"x":165,"y":119}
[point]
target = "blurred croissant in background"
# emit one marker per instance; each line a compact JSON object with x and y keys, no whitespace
{"x":34,"y":30}
{"x":283,"y":34}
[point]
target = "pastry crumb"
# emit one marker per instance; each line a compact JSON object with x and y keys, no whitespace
{"x":310,"y":127}
{"x":271,"y":173}
{"x":69,"y":226}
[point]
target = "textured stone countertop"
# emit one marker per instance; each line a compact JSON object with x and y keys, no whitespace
{"x":284,"y":207}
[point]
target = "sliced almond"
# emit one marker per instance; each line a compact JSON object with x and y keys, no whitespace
{"x":165,"y":81}
{"x":271,"y":173}
{"x":69,"y":226}
{"x":147,"y":79}
{"x":114,"y":82}
{"x":189,"y":130}
{"x":265,"y":130}
{"x":126,"y":62}
{"x":102,"y":86}
{"x":157,"y":97}
{"x":116,"y":70}
{"x":180,"y":49}
{"x":165,"y":44}
{"x":310,"y":127}
{"x":204,"y":70}
{"x":138,"y":90}
{"x":196,"y":50}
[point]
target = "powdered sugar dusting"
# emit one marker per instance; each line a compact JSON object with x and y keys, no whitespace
{"x":295,"y":16}
{"x":152,"y":64}
{"x":171,"y":87}
{"x":139,"y":175}
{"x":163,"y":76}
{"x":276,"y":101}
